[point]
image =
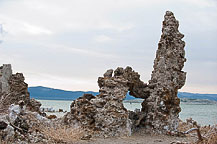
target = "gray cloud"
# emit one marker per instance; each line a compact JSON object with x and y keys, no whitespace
{"x":1,"y":33}
{"x":69,"y":44}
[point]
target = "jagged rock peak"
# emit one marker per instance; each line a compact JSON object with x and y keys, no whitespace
{"x":170,"y":26}
{"x":162,"y":106}
{"x":170,"y":56}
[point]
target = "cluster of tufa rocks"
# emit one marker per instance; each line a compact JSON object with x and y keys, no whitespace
{"x":20,"y":116}
{"x":105,"y":115}
{"x":12,"y":88}
{"x":22,"y":126}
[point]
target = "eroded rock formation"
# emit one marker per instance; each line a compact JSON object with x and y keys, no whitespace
{"x":162,"y":106}
{"x":105,"y":115}
{"x":20,"y":117}
{"x":20,"y":125}
{"x":5,"y":74}
{"x":12,"y":87}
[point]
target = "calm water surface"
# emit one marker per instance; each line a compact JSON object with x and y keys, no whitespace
{"x":203,"y":114}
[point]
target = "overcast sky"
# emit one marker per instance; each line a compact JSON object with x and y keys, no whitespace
{"x":69,"y":44}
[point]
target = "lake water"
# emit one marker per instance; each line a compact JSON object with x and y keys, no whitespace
{"x":203,"y":114}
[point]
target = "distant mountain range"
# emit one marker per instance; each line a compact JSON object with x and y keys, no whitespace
{"x":45,"y":93}
{"x":212,"y":97}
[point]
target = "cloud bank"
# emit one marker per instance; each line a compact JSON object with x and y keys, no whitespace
{"x":68,"y":44}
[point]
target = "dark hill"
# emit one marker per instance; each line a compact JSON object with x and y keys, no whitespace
{"x":212,"y":97}
{"x":45,"y":93}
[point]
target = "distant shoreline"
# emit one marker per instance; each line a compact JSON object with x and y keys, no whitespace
{"x":187,"y":101}
{"x":46,"y":93}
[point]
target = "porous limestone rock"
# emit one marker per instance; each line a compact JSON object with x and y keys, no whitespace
{"x":162,"y":106}
{"x":105,"y":114}
{"x":20,"y":118}
{"x":34,"y":105}
{"x":20,"y":124}
{"x":12,"y":87}
{"x":5,"y":74}
{"x":18,"y":88}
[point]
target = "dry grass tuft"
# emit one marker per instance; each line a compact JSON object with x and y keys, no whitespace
{"x":212,"y":139}
{"x":63,"y":134}
{"x":208,"y":133}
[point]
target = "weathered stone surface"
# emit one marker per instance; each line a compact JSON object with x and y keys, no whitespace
{"x":34,"y":105}
{"x":20,"y":124}
{"x":105,"y":115}
{"x":162,"y":106}
{"x":5,"y":74}
{"x":12,"y":87}
{"x":21,"y":120}
{"x":82,"y":112}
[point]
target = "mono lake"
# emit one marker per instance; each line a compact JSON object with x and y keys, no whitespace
{"x":203,"y":114}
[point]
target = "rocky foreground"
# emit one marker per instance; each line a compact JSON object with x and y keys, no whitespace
{"x":94,"y":118}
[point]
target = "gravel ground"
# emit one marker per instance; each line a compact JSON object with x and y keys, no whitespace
{"x":138,"y":138}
